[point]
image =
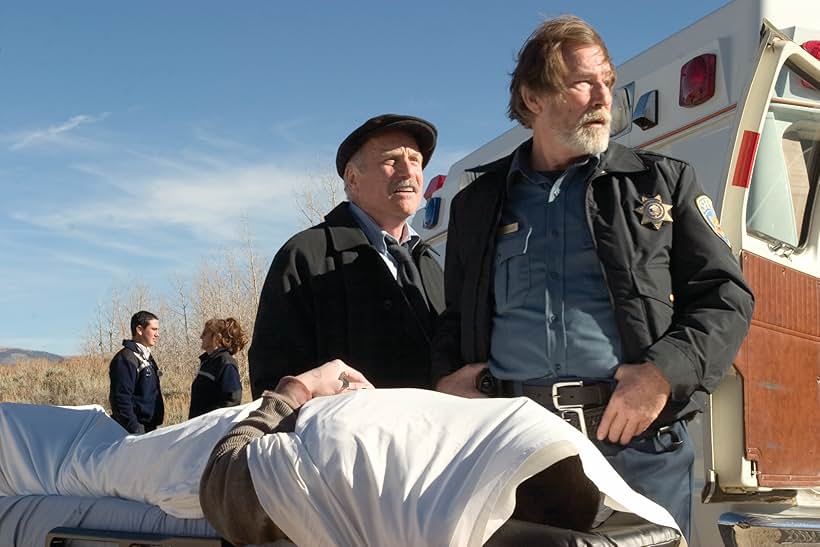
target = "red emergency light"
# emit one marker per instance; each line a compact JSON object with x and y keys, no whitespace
{"x":436,"y":183}
{"x":697,"y":80}
{"x":433,"y":207}
{"x":813,"y":47}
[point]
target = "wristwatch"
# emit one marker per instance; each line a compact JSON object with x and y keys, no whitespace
{"x":485,"y":382}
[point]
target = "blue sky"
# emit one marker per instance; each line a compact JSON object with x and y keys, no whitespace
{"x":136,"y":136}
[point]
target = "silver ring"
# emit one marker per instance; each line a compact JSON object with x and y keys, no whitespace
{"x":345,"y":380}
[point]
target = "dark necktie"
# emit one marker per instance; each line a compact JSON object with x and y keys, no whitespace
{"x":408,"y":275}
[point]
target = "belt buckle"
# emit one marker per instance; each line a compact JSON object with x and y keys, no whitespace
{"x":569,"y":410}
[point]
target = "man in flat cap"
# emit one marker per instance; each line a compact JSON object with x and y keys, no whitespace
{"x":360,"y":286}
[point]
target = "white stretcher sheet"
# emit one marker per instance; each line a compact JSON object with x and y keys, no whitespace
{"x":413,"y":467}
{"x":79,"y":451}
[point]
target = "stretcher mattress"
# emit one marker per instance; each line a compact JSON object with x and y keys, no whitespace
{"x":26,"y":520}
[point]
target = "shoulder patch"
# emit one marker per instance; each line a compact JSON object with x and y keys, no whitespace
{"x":707,"y":211}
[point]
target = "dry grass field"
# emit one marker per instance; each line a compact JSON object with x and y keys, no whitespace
{"x":84,"y":380}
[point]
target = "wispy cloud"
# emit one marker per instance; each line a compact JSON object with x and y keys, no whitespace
{"x":88,"y":169}
{"x":207,"y":203}
{"x":162,"y":205}
{"x":286,"y":130}
{"x":158,"y":161}
{"x":89,"y":264}
{"x":53,"y":134}
{"x":220,"y":142}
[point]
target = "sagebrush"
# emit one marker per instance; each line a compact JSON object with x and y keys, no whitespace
{"x":84,"y":380}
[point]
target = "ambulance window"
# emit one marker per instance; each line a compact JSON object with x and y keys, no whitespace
{"x":786,"y":170}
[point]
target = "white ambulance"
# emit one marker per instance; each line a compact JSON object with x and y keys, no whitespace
{"x":736,"y":94}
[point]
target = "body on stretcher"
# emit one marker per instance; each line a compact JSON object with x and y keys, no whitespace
{"x":171,"y":460}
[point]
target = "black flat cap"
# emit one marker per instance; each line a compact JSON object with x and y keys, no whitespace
{"x":424,"y":132}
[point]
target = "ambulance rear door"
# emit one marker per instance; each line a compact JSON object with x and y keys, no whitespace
{"x":763,"y":423}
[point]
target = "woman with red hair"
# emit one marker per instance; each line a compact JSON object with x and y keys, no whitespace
{"x":217,"y":383}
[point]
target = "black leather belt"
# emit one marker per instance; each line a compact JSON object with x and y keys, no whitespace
{"x":567,"y":394}
{"x":580,"y":404}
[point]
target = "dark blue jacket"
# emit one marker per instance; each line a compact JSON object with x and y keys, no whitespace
{"x":135,"y":395}
{"x":217,"y":383}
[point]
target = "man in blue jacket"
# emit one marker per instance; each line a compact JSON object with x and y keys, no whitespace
{"x":135,"y":395}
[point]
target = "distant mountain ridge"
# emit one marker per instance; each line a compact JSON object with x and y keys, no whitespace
{"x":10,"y":356}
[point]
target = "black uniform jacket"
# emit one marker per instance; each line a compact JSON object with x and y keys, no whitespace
{"x":329,"y":295}
{"x":217,"y":383}
{"x":679,"y":297}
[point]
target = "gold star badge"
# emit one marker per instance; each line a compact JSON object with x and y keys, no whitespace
{"x":654,"y":211}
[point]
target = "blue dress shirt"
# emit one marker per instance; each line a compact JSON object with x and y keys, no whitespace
{"x":376,"y":236}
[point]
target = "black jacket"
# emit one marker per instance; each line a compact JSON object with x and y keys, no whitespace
{"x":217,"y":383}
{"x":135,"y":394}
{"x":679,"y":297}
{"x":328,"y":295}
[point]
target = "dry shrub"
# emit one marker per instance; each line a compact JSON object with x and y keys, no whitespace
{"x":75,"y":381}
{"x":84,"y":380}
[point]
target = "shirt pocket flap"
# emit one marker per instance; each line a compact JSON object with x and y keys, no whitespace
{"x":512,"y":244}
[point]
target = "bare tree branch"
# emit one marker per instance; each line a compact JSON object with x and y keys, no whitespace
{"x":316,"y":198}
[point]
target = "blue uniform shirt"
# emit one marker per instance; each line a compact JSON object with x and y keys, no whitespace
{"x":553,"y":316}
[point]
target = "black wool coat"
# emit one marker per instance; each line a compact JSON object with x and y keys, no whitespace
{"x":328,"y":295}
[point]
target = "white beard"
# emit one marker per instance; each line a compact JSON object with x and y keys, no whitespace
{"x":585,"y":139}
